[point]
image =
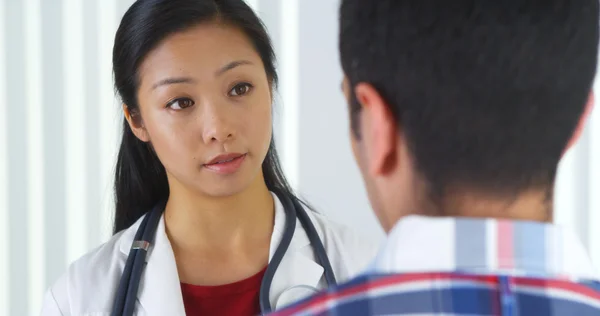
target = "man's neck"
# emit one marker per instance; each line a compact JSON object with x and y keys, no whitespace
{"x":530,"y":206}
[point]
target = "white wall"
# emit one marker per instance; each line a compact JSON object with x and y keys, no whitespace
{"x":58,"y":135}
{"x":59,"y":132}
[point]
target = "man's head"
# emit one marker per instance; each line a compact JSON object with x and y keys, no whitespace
{"x":466,"y":98}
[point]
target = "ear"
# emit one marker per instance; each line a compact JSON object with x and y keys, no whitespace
{"x":136,"y":124}
{"x":581,"y":125}
{"x":378,"y":130}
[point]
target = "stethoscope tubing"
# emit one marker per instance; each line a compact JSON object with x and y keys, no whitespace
{"x":286,"y":239}
{"x":130,"y":279}
{"x":126,"y":295}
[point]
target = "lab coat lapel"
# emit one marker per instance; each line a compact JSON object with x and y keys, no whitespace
{"x":298,"y":275}
{"x":160,"y":289}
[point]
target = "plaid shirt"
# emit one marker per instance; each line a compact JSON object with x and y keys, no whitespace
{"x":452,"y":266}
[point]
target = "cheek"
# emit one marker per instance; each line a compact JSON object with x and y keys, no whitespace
{"x":258,"y":128}
{"x":172,"y":140}
{"x":255,"y":122}
{"x":357,"y":151}
{"x":354,"y":145}
{"x":370,"y":184}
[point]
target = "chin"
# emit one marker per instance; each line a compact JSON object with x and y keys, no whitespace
{"x":222,"y":191}
{"x":223,"y":187}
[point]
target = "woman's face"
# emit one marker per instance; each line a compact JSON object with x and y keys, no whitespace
{"x":205,"y":106}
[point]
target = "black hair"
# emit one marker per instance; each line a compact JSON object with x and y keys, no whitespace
{"x":140,"y":178}
{"x":486,"y":93}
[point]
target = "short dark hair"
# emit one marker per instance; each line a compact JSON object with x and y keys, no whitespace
{"x":140,"y":177}
{"x":487,"y":93}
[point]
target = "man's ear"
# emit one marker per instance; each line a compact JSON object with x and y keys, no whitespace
{"x":581,"y":125}
{"x":136,"y":124}
{"x":378,"y":130}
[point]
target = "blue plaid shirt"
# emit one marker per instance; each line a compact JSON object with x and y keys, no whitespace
{"x":452,"y":266}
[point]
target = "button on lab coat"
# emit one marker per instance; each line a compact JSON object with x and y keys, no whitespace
{"x":89,"y":285}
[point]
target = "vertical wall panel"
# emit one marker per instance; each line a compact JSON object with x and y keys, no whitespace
{"x":4,"y":211}
{"x":36,"y":156}
{"x":593,"y":184}
{"x":328,"y":174}
{"x":54,"y":140}
{"x":568,"y":193}
{"x":290,"y":70}
{"x":18,"y":174}
{"x":91,"y":103}
{"x":581,"y":206}
{"x":109,"y":111}
{"x":75,"y":131}
{"x":270,"y":12}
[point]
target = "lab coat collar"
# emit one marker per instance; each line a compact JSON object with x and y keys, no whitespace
{"x":160,"y":290}
{"x":300,"y":238}
{"x":298,"y":274}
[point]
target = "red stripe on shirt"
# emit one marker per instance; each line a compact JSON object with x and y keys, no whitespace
{"x":505,"y":245}
{"x":330,"y":297}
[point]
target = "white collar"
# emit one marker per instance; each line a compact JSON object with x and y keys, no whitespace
{"x":487,"y":246}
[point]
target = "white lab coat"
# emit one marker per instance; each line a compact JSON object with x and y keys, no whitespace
{"x":88,"y":287}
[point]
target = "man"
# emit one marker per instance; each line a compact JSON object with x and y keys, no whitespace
{"x":460,"y":112}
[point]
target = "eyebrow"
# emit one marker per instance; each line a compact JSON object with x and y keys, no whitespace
{"x":177,"y":80}
{"x":232,"y":65}
{"x":174,"y":80}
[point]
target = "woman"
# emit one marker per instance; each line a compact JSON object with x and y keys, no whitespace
{"x":196,"y":78}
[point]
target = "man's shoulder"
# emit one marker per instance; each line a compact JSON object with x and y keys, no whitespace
{"x":379,"y":294}
{"x":448,"y":293}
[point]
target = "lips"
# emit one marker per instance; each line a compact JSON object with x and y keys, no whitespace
{"x":224,"y":158}
{"x":226,"y":164}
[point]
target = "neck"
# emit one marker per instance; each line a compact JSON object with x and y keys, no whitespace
{"x":414,"y":198}
{"x":535,"y":205}
{"x":197,"y":221}
{"x":528,"y":206}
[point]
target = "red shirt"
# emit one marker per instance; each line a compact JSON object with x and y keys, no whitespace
{"x":235,"y":299}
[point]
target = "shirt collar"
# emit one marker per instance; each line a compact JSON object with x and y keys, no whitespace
{"x":487,"y":246}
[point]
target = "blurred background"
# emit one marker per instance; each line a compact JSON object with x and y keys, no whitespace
{"x":59,"y":131}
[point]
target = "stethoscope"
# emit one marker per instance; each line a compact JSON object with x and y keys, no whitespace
{"x":130,"y":279}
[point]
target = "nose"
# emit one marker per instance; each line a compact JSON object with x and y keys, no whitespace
{"x":217,"y":125}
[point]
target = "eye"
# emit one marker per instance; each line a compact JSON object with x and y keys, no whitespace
{"x":240,"y":89}
{"x":180,"y":103}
